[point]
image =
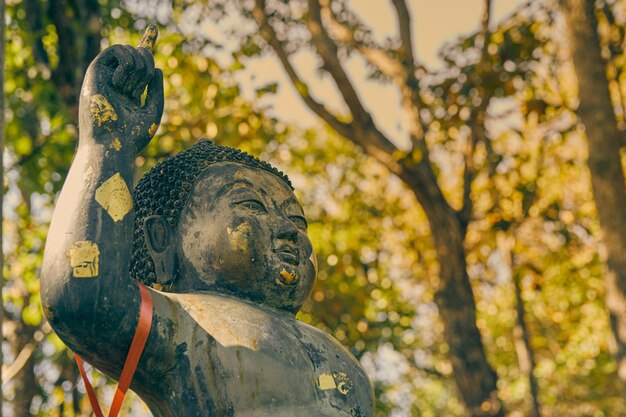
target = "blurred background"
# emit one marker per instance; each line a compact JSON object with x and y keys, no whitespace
{"x":460,"y":162}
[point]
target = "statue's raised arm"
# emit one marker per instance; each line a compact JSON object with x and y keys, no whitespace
{"x":86,"y":291}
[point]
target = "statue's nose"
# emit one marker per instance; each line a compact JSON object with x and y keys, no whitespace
{"x":287,"y":230}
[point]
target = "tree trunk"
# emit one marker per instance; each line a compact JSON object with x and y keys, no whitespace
{"x":2,"y":42}
{"x":473,"y":375}
{"x":476,"y":381}
{"x":525,"y":353}
{"x":21,"y":344}
{"x":521,"y":336}
{"x":604,"y":140}
{"x":26,"y":387}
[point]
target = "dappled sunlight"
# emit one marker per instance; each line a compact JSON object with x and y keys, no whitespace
{"x":478,"y":145}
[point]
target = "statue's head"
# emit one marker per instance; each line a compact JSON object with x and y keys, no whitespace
{"x":217,"y":219}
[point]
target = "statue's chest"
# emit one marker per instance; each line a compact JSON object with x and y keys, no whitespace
{"x":250,"y":360}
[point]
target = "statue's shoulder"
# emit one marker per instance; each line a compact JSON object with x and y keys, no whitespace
{"x":235,"y":322}
{"x":225,"y":319}
{"x":232,"y":321}
{"x":265,"y":354}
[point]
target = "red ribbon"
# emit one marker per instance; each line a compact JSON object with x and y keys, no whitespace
{"x":134,"y":353}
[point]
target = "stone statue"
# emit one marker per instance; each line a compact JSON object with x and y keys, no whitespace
{"x":221,"y":240}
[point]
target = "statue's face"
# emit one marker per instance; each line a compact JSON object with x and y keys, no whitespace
{"x":244,"y":233}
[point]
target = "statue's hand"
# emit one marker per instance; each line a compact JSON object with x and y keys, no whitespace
{"x":111,"y":96}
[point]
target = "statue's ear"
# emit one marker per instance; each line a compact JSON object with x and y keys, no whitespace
{"x":159,"y":242}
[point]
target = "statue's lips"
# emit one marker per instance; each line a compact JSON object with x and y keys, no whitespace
{"x":288,"y":254}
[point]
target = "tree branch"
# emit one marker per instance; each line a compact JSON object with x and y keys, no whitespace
{"x":414,"y":167}
{"x":36,"y":150}
{"x":375,"y":55}
{"x":477,"y":118}
{"x":268,"y":33}
{"x":402,"y":71}
{"x":399,"y":70}
{"x":366,"y":134}
{"x":10,"y":371}
{"x":427,"y":370}
{"x":361,"y":130}
{"x":404,"y":25}
{"x":327,"y":50}
{"x":409,"y":88}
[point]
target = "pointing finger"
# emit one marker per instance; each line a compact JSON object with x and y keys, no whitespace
{"x":149,"y":38}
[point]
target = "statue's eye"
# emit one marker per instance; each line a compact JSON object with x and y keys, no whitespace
{"x":253,"y":205}
{"x":299,"y":221}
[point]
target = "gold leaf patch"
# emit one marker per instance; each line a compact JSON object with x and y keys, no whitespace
{"x":116,"y":144}
{"x":85,"y":259}
{"x":114,"y":196}
{"x":326,"y":381}
{"x":101,"y":109}
{"x":336,"y":380}
{"x":153,"y":129}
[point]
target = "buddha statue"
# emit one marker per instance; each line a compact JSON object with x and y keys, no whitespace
{"x":221,"y":241}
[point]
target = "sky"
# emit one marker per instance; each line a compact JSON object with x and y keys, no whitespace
{"x":434,"y":22}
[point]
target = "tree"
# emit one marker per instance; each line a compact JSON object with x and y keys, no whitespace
{"x":333,"y":32}
{"x":605,"y":141}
